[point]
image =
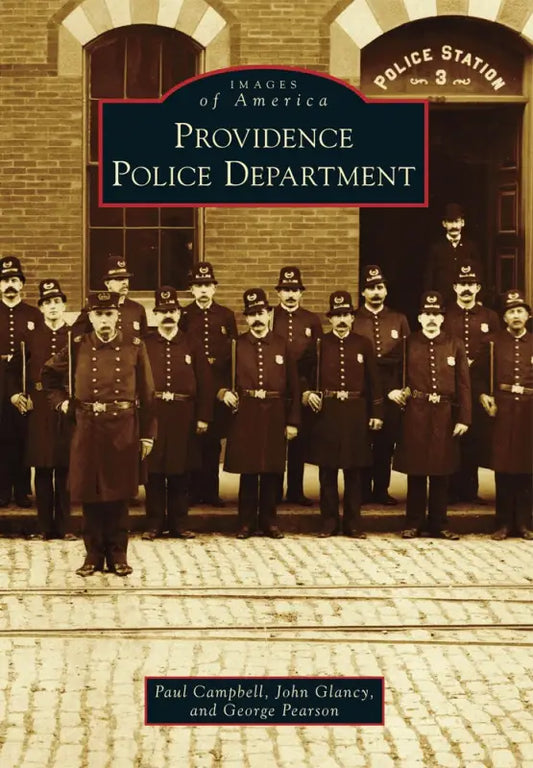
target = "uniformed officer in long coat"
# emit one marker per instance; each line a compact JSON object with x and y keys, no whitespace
{"x":48,"y":431}
{"x":347,"y":407}
{"x":213,"y":326}
{"x":474,"y":324}
{"x":113,"y":399}
{"x":387,"y":330}
{"x":437,"y":401}
{"x":265,"y":400}
{"x":18,"y":321}
{"x":184,"y":394}
{"x":300,"y":328}
{"x":132,"y":320}
{"x":503,"y":377}
{"x":449,"y":253}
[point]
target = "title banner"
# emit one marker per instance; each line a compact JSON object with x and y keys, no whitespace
{"x":262,"y":136}
{"x":264,"y":700}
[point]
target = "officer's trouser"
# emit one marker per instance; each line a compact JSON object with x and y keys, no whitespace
{"x":105,"y":532}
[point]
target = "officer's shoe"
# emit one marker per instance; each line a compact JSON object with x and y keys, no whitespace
{"x":327,"y":530}
{"x":70,"y":537}
{"x":87,"y":569}
{"x":122,"y":569}
{"x":185,"y":534}
{"x":445,"y":533}
{"x":410,"y":533}
{"x":500,"y":534}
{"x":23,"y":501}
{"x":244,"y":532}
{"x":526,"y":533}
{"x":149,"y":535}
{"x":274,"y":532}
{"x":5,"y":502}
{"x":354,"y":533}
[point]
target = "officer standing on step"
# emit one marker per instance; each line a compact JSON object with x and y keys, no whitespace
{"x":387,"y":330}
{"x":213,"y":327}
{"x":300,"y":328}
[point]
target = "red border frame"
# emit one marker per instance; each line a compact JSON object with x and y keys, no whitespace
{"x":425,"y":204}
{"x":264,"y":677}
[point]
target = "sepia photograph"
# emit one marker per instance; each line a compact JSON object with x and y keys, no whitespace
{"x":266,"y":384}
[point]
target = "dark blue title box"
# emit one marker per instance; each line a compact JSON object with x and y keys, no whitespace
{"x":264,"y":700}
{"x":263,"y":136}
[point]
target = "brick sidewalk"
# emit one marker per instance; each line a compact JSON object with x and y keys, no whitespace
{"x":73,"y":661}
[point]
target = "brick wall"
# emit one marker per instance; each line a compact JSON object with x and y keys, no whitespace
{"x":41,"y":172}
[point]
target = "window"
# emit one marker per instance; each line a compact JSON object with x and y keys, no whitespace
{"x":159,"y":244}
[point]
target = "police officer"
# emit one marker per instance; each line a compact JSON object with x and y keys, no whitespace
{"x":300,"y":328}
{"x":18,"y":320}
{"x":212,"y":326}
{"x":386,"y":329}
{"x":449,"y":253}
{"x":473,"y":323}
{"x":184,"y":406}
{"x":132,"y":320}
{"x":113,"y":397}
{"x":504,"y":378}
{"x":265,"y":398}
{"x":48,"y":431}
{"x":348,"y":405}
{"x":437,"y":401}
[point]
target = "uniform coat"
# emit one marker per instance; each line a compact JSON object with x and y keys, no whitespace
{"x":104,"y":454}
{"x":339,"y":436}
{"x":445,"y":261}
{"x":132,"y":320}
{"x":48,"y":431}
{"x":17,"y":324}
{"x":178,"y":365}
{"x":386,"y":330}
{"x":474,"y":327}
{"x":426,"y":445}
{"x":300,"y":329}
{"x":213,"y":329}
{"x":512,"y":438}
{"x":256,"y":438}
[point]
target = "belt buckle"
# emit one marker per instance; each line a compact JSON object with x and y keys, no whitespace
{"x":98,"y":407}
{"x":260,"y":393}
{"x":210,"y":360}
{"x":517,"y":389}
{"x":434,"y":397}
{"x":342,"y":395}
{"x":38,"y":386}
{"x":167,"y":396}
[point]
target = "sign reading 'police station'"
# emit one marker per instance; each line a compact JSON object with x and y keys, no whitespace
{"x":263,"y":136}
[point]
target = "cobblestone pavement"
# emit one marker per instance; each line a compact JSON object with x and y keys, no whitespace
{"x":448,"y":625}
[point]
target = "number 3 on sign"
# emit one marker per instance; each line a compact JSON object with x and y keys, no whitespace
{"x":440,"y":77}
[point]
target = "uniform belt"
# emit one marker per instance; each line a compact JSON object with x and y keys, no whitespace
{"x":342,"y":394}
{"x":516,"y":389}
{"x":115,"y":405}
{"x":433,"y":397}
{"x":261,"y":394}
{"x":170,"y":396}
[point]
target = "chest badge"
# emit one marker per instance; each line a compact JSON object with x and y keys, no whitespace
{"x":359,"y":357}
{"x":223,"y":330}
{"x":484,"y":327}
{"x":279,"y":359}
{"x":451,"y":360}
{"x":136,"y":325}
{"x":394,"y":334}
{"x":188,"y":359}
{"x":31,"y":325}
{"x":308,"y":332}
